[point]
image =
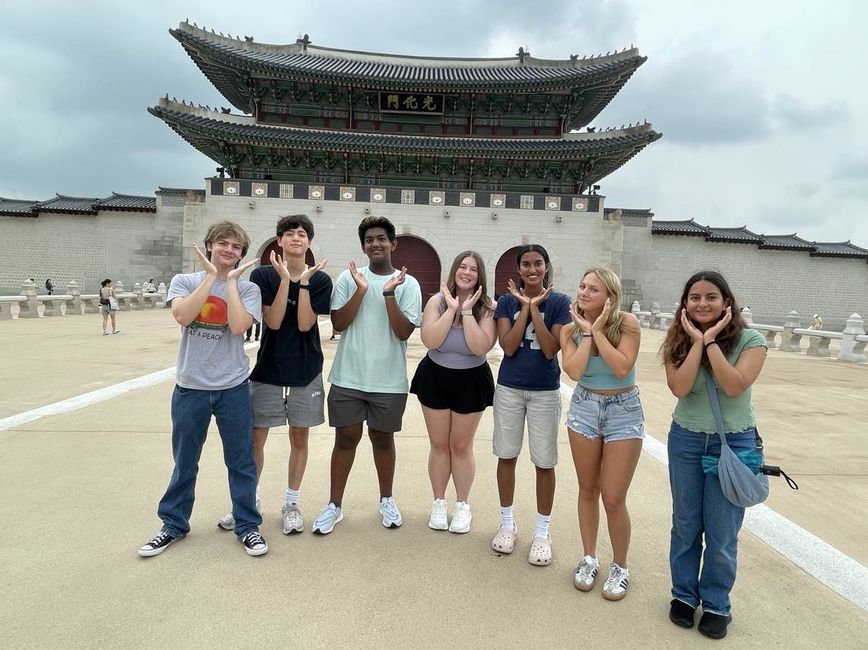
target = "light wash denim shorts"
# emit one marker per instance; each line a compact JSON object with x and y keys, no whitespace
{"x":610,"y":417}
{"x":541,"y":410}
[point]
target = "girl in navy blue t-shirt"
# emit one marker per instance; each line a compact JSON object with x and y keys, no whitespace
{"x":529,"y":319}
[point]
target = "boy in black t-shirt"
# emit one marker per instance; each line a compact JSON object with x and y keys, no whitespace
{"x":286,"y":383}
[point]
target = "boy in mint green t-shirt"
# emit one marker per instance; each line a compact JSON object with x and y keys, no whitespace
{"x":376,"y":308}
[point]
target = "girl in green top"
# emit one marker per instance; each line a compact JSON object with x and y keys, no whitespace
{"x":708,"y":332}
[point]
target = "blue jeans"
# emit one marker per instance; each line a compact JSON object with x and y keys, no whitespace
{"x":699,"y":508}
{"x":191,"y":415}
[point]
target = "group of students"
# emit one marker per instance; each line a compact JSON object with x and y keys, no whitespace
{"x":377,"y":308}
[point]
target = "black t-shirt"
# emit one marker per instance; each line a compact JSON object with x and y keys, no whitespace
{"x":288,"y":357}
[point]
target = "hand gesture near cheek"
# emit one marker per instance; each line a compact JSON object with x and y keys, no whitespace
{"x":518,"y":294}
{"x":358,"y":278}
{"x":711,"y":333}
{"x":234,"y":274}
{"x":600,"y":322}
{"x":693,"y":332}
{"x":536,"y":301}
{"x":472,"y":300}
{"x":583,"y":325}
{"x":279,"y":265}
{"x":309,"y":271}
{"x":210,"y":269}
{"x":391,"y":283}
{"x":450,"y":300}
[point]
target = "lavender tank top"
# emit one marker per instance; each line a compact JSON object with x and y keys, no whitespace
{"x":453,"y":352}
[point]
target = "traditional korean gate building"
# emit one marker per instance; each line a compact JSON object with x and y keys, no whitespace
{"x":458,"y":153}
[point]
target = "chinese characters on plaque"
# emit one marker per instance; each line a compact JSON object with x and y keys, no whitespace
{"x":411,"y":103}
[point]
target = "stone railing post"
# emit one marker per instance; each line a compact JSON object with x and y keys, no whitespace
{"x":634,"y":308}
{"x":73,"y":306}
{"x":655,"y":315}
{"x":137,"y":301}
{"x":851,"y":349}
{"x":747,"y":315}
{"x":162,"y":290}
{"x":790,"y":340}
{"x":28,"y":309}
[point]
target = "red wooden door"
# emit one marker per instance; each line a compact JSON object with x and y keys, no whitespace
{"x":506,"y":268}
{"x":421,"y":261}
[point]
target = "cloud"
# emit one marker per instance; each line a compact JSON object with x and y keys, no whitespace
{"x":792,"y":113}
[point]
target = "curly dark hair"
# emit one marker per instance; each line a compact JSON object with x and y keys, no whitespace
{"x":678,"y":343}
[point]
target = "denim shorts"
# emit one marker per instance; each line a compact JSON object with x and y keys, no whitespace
{"x":610,"y":417}
{"x":541,"y":410}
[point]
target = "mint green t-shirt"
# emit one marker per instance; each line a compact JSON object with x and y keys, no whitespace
{"x":693,"y":412}
{"x":370,"y":357}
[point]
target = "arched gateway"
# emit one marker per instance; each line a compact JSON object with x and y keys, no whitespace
{"x":506,"y":268}
{"x":422,"y":263}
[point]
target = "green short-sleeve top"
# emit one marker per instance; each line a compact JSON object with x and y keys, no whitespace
{"x":693,"y":411}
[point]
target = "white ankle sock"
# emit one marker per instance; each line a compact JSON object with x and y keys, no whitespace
{"x":291,"y":496}
{"x":506,"y":518}
{"x":542,"y":526}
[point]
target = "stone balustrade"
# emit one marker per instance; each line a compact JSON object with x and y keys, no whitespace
{"x":74,"y":303}
{"x":852,"y":340}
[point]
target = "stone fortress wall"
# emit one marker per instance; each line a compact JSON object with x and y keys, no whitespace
{"x":135,"y":246}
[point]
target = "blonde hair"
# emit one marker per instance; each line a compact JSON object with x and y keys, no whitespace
{"x":615,"y":321}
{"x":223,"y":230}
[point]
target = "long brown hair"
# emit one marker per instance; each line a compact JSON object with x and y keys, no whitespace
{"x":678,"y":343}
{"x":484,"y":304}
{"x":615,"y":321}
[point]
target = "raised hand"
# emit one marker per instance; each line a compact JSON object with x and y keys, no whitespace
{"x":309,"y":271}
{"x":450,"y":300}
{"x":711,"y":333}
{"x":693,"y":332}
{"x":517,"y":293}
{"x":358,"y":278}
{"x":600,"y":322}
{"x":279,"y":266}
{"x":472,"y":300}
{"x":391,"y":283}
{"x":234,"y":274}
{"x":583,"y":325}
{"x":536,"y":301}
{"x":210,"y":269}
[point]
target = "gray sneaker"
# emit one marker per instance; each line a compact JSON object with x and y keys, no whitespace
{"x":293,"y":522}
{"x":227,"y":521}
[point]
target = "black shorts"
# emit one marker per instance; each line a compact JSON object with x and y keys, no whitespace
{"x":468,"y":390}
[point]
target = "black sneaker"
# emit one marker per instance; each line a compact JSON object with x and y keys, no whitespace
{"x":254,"y":543}
{"x":157,"y":544}
{"x":714,"y":625}
{"x":681,"y":613}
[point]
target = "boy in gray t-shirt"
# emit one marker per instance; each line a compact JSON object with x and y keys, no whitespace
{"x":214,"y":308}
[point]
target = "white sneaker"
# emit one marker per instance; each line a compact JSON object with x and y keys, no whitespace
{"x":438,"y":520}
{"x":586,"y":573}
{"x":390,"y":512}
{"x":615,"y":587}
{"x":227,"y":521}
{"x":327,"y":520}
{"x":461,"y":518}
{"x":293,"y":522}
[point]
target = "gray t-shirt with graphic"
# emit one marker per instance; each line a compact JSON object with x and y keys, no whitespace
{"x":210,"y":356}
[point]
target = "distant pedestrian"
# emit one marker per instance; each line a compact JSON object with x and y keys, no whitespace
{"x":108,"y":306}
{"x":49,"y":288}
{"x":818,"y":323}
{"x":149,"y":287}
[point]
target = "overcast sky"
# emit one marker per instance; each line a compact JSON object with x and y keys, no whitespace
{"x":760,"y":105}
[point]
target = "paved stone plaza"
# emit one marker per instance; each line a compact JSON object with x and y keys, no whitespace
{"x":80,"y":489}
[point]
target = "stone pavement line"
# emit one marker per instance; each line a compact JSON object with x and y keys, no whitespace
{"x":836,"y":570}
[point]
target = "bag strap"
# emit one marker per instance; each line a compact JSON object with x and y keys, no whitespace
{"x":711,"y":387}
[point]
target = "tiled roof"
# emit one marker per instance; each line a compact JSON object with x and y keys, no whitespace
{"x":73,"y":204}
{"x":688,"y":227}
{"x":129,"y":202}
{"x":300,"y":59}
{"x":630,"y":212}
{"x":736,"y":235}
{"x":205,"y":127}
{"x":17,"y":207}
{"x":786,"y":242}
{"x":838,"y":249}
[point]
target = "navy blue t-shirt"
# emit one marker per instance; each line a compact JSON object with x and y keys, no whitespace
{"x":289,"y":357}
{"x":528,"y":368}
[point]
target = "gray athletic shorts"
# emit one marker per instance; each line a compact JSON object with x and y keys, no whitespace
{"x":298,"y":406}
{"x":542,"y":411}
{"x":382,"y":411}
